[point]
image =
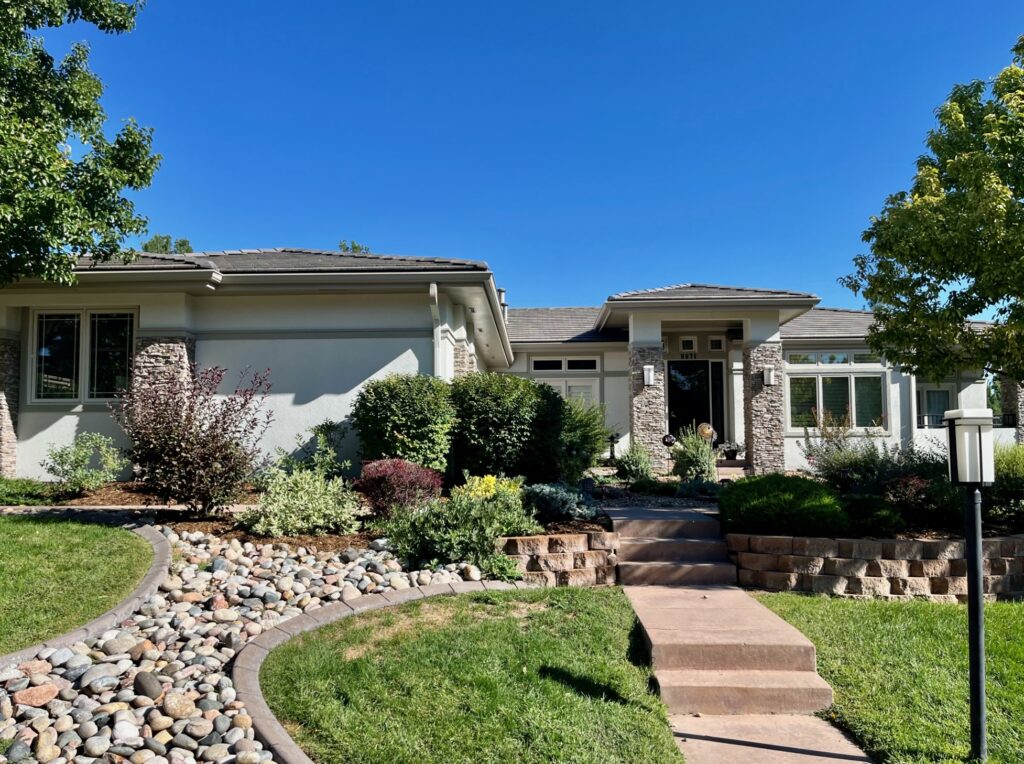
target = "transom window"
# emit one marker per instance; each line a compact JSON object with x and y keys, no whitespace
{"x":82,"y":355}
{"x":564,"y":364}
{"x":853,"y":400}
{"x":832,"y":358}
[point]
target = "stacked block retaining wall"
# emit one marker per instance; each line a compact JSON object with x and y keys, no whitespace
{"x":565,"y":559}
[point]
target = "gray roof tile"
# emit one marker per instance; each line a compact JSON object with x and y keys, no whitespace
{"x":704,"y":291}
{"x":289,"y":260}
{"x":828,"y":323}
{"x":559,"y":325}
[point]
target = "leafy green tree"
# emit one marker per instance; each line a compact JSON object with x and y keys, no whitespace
{"x":952,"y":248}
{"x":346,"y":245}
{"x":160,"y":244}
{"x":62,"y":180}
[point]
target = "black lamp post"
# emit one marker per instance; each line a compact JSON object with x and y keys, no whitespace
{"x":972,"y":464}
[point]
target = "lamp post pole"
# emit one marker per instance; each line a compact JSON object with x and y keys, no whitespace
{"x":976,"y":624}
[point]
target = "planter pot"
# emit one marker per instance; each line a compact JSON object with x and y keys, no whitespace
{"x":730,"y":455}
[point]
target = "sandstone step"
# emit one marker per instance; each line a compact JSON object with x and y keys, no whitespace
{"x":694,"y":526}
{"x":708,"y":647}
{"x":743,"y":692}
{"x":671,"y":550}
{"x":676,"y":573}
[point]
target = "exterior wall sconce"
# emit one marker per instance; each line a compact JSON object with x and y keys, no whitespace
{"x":972,"y":464}
{"x":768,"y":375}
{"x":649,"y":375}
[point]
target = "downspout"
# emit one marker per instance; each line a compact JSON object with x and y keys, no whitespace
{"x":435,"y":314}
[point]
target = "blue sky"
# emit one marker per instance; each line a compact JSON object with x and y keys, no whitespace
{"x":581,"y":148}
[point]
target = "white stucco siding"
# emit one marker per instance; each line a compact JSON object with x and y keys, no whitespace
{"x":315,"y":379}
{"x":41,"y":429}
{"x":616,"y":409}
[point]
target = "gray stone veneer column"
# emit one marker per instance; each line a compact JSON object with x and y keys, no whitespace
{"x":647,"y":418}
{"x":1013,"y":402}
{"x":764,"y":409}
{"x":464,"y":362}
{"x":157,"y":358}
{"x":10,"y":391}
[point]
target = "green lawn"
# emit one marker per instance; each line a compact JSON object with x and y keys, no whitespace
{"x":56,"y":575}
{"x":526,"y":676}
{"x":899,"y":671}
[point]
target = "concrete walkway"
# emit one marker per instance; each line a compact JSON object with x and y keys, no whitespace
{"x":764,"y":739}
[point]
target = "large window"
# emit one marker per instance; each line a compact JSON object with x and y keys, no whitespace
{"x":82,"y":355}
{"x":854,"y":399}
{"x":932,"y":405}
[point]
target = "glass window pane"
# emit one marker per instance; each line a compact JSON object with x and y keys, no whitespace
{"x":866,"y":358}
{"x":584,"y":393}
{"x":110,"y":353}
{"x":803,"y":401}
{"x":802,"y":358}
{"x":581,"y":364}
{"x":547,"y":364}
{"x":868,"y":392}
{"x":835,"y":357}
{"x":57,"y":356}
{"x":835,"y":399}
{"x":936,"y":404}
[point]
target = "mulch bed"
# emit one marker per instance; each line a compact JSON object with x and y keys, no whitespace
{"x":131,"y":494}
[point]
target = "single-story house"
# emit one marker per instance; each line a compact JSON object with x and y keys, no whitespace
{"x":759,"y":365}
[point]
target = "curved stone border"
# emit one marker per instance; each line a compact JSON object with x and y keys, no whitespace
{"x":245,"y":671}
{"x":155,"y":576}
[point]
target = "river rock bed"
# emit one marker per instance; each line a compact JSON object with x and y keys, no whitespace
{"x":157,"y":689}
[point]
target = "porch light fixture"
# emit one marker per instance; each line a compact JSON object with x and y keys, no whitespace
{"x":972,"y":464}
{"x":768,"y":375}
{"x":649,"y":375}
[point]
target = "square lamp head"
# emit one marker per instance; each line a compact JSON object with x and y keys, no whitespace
{"x":971,"y":446}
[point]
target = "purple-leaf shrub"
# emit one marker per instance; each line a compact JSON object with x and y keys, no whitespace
{"x":391,"y":483}
{"x":191,"y":444}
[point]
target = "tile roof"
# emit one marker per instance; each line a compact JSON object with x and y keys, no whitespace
{"x":559,"y":325}
{"x":828,"y":323}
{"x":704,"y":291}
{"x":289,"y":260}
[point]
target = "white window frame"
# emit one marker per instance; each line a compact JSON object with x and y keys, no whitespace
{"x":562,"y":386}
{"x":830,"y":370}
{"x":84,"y":343}
{"x":819,"y":365}
{"x":564,"y":359}
{"x":920,"y":391}
{"x":692,"y":339}
{"x":722,"y":344}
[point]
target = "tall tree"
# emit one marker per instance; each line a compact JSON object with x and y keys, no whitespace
{"x":952,"y":248}
{"x":62,"y":180}
{"x":160,"y":243}
{"x":346,"y":245}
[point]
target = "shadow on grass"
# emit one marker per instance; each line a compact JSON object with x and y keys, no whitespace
{"x":582,"y":685}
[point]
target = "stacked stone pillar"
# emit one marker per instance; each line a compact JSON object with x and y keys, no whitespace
{"x":10,"y":392}
{"x":1013,"y":403}
{"x":160,"y":358}
{"x":764,"y":408}
{"x":647,"y":412}
{"x":464,"y":361}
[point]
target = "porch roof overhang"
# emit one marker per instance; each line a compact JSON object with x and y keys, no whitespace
{"x":615,"y":312}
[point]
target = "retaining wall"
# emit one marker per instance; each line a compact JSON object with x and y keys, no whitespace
{"x":934,"y":569}
{"x":565,"y":559}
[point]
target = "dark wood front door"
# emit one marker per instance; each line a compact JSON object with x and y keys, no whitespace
{"x":696,"y":394}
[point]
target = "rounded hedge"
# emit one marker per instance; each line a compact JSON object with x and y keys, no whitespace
{"x":781,"y":505}
{"x":405,"y":416}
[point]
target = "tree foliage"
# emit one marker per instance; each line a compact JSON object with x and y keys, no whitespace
{"x":161,"y":244}
{"x":62,"y":179}
{"x":353,"y":246}
{"x":952,"y":248}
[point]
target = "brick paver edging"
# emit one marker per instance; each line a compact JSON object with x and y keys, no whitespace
{"x":158,"y":571}
{"x":245,"y":672}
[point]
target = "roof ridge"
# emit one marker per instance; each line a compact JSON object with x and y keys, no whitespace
{"x":556,"y":307}
{"x":698,"y":285}
{"x":339,"y":254}
{"x":843,"y":310}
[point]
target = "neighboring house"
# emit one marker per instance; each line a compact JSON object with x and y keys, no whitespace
{"x":759,"y":365}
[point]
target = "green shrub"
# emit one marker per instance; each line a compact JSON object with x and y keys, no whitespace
{"x":693,"y":457}
{"x":1005,"y":499}
{"x":405,"y":416}
{"x":303,"y":502}
{"x":505,"y":425}
{"x":87,"y":463}
{"x":464,"y":528}
{"x":583,"y":438}
{"x":321,"y":452}
{"x":781,"y":505}
{"x":25,"y":491}
{"x":635,"y":464}
{"x":698,"y":489}
{"x":557,"y":501}
{"x":655,"y":487}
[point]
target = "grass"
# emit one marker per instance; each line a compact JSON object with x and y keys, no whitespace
{"x":57,"y":575}
{"x":25,"y":492}
{"x":899,"y":671}
{"x":526,"y":676}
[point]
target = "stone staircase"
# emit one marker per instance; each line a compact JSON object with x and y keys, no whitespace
{"x":714,"y":649}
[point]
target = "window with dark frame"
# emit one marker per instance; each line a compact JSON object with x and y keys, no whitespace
{"x":63,"y":372}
